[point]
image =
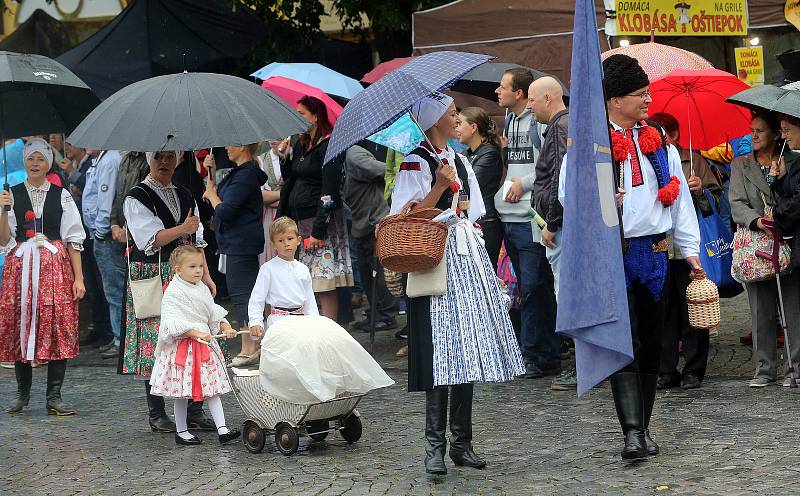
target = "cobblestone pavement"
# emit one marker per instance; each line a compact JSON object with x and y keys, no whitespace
{"x":721,"y":439}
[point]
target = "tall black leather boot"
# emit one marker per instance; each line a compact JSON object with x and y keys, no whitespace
{"x":55,"y":378}
{"x":24,"y":373}
{"x":196,"y":418}
{"x":627,"y":392}
{"x":158,"y":418}
{"x":461,"y":427}
{"x":435,"y":427}
{"x":648,"y":382}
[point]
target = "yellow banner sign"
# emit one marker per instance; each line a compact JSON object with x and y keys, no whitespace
{"x":681,"y":17}
{"x":750,"y":64}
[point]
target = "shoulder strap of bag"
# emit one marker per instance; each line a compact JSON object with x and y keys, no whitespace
{"x":128,"y":256}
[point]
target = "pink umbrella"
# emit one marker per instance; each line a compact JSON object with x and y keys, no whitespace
{"x":657,"y":60}
{"x":381,"y":69}
{"x":292,"y":91}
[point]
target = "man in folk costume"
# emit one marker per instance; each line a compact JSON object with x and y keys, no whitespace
{"x":655,"y":200}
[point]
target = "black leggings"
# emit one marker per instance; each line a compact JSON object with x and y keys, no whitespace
{"x":241,"y":272}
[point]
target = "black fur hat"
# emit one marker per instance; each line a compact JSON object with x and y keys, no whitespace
{"x":622,"y":75}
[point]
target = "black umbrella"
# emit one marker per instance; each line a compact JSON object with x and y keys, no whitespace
{"x":484,"y":79}
{"x":784,"y":99}
{"x":38,"y":95}
{"x":187,"y":111}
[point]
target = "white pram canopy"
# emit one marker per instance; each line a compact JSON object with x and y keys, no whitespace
{"x":308,"y":359}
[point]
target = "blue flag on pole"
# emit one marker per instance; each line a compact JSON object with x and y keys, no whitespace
{"x":592,"y":298}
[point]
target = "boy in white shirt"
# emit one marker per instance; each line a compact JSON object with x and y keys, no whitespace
{"x":283,"y":283}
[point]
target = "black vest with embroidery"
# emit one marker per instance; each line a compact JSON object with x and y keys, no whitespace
{"x":49,"y":224}
{"x":145,"y":195}
{"x":445,"y":201}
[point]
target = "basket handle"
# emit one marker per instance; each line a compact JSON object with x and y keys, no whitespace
{"x":407,"y":209}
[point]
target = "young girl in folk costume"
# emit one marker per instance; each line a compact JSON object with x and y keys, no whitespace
{"x":464,"y":335}
{"x":185,"y":367}
{"x":305,"y":358}
{"x":42,"y":235}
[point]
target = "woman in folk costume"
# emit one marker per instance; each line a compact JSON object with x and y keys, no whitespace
{"x":188,"y":361}
{"x":159,"y":217}
{"x":655,"y":201}
{"x":464,"y":335}
{"x":42,"y":235}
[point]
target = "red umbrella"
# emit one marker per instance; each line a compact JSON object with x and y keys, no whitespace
{"x":292,"y":91}
{"x":381,"y":69}
{"x":697,"y":100}
{"x":657,"y":60}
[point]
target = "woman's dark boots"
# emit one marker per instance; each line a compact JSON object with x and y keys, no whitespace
{"x":627,"y":390}
{"x":55,"y":378}
{"x":435,"y":428}
{"x":24,"y":373}
{"x":461,"y":427}
{"x":158,"y":418}
{"x":649,"y":385}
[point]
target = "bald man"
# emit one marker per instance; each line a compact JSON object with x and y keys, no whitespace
{"x":545,"y":101}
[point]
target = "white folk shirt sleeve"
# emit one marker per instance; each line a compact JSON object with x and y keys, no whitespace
{"x":71,"y":230}
{"x":412,"y":183}
{"x":310,"y":303}
{"x":685,"y":229}
{"x":12,"y":230}
{"x":258,"y":297}
{"x":477,"y":209}
{"x":143,"y":225}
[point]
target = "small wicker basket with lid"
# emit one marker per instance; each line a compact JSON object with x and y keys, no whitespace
{"x":702,"y":298}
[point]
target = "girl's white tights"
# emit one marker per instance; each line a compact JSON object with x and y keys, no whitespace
{"x":214,"y":404}
{"x":181,"y":405}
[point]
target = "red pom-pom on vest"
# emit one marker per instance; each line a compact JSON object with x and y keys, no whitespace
{"x":669,"y":193}
{"x":29,"y":233}
{"x":30,"y":216}
{"x":621,"y":148}
{"x":649,"y":139}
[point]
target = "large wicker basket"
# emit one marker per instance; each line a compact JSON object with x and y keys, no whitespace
{"x":702,"y":298}
{"x":411,"y":241}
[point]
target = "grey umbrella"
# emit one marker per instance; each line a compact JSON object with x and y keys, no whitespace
{"x":38,"y":95}
{"x":187,"y":111}
{"x":783,"y":100}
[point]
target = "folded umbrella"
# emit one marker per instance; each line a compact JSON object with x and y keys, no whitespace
{"x":784,"y":99}
{"x":292,"y":91}
{"x":387,"y":100}
{"x":696,"y":98}
{"x":316,"y":75}
{"x":187,"y":111}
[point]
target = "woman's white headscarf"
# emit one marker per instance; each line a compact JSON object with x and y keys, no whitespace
{"x":38,"y":145}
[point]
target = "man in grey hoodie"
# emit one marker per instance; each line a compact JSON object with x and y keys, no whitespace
{"x":541,"y":347}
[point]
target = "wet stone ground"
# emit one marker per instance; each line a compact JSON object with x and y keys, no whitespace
{"x":721,"y":439}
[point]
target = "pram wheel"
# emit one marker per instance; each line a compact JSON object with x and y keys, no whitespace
{"x":351,"y":428}
{"x":253,"y":436}
{"x":286,"y":438}
{"x":318,"y":426}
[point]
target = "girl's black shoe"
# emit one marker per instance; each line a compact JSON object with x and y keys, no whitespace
{"x":186,"y":442}
{"x":229,"y":436}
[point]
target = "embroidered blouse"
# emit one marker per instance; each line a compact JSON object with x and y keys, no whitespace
{"x":71,"y":227}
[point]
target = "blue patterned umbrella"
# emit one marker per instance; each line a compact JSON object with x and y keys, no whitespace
{"x":378,"y":106}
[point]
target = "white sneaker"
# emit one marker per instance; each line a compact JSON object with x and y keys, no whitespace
{"x":788,"y":382}
{"x":759,"y":382}
{"x":7,"y":365}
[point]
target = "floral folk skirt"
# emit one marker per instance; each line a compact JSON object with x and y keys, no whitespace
{"x":141,"y":335}
{"x":330,"y":265}
{"x":56,"y":329}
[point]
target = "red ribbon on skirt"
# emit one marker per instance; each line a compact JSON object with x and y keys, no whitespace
{"x":202,"y":354}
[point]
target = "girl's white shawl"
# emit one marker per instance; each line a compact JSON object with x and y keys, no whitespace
{"x":187,"y":306}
